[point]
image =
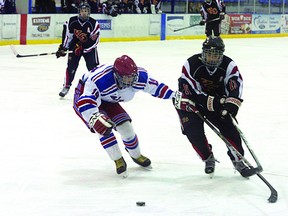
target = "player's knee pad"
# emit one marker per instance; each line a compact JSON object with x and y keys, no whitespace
{"x":126,"y":130}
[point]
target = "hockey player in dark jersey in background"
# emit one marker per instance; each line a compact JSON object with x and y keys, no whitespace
{"x":212,"y":12}
{"x":97,"y":102}
{"x":80,"y":36}
{"x":213,"y":82}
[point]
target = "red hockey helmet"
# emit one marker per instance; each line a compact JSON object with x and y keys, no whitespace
{"x":125,"y":71}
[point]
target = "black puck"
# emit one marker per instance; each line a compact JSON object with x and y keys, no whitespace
{"x":140,"y":203}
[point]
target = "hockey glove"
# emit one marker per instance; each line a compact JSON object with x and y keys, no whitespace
{"x":202,"y":22}
{"x":61,"y":52}
{"x":231,"y":106}
{"x":182,"y":102}
{"x":222,"y":16}
{"x":215,"y":104}
{"x":78,"y":50}
{"x":101,"y":124}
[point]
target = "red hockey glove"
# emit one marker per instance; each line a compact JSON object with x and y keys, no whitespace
{"x":231,"y":106}
{"x":101,"y":124}
{"x":61,"y":52}
{"x":78,"y":50}
{"x":182,"y":102}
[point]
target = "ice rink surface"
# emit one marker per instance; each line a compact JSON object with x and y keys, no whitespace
{"x":51,"y":165}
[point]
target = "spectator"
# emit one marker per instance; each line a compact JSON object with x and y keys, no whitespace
{"x":2,"y":6}
{"x":8,"y":6}
{"x":45,"y":6}
{"x":94,"y":4}
{"x":70,"y":6}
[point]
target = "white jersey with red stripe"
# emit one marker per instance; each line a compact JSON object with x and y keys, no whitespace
{"x":100,"y":85}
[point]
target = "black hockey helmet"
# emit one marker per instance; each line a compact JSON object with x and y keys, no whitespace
{"x":212,"y":52}
{"x":84,"y":11}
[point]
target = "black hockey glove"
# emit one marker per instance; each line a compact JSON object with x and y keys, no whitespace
{"x":215,"y":104}
{"x":202,"y":22}
{"x":222,"y":16}
{"x":231,"y":106}
{"x":61,"y":52}
{"x":181,"y":102}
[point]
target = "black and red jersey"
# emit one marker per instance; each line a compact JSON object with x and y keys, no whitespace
{"x":212,"y":10}
{"x":83,"y":33}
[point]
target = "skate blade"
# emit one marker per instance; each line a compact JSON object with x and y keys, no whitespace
{"x":147,"y":168}
{"x":123,"y":175}
{"x":211,"y":175}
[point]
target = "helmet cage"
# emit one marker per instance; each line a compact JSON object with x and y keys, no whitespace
{"x":212,"y":57}
{"x":125,"y":81}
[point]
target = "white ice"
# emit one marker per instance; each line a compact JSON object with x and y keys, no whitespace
{"x":51,"y":165}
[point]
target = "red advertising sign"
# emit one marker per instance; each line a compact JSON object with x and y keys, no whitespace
{"x":240,"y":23}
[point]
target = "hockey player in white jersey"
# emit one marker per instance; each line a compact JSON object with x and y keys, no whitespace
{"x":97,"y":102}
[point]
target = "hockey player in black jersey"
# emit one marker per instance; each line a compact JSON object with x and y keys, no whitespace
{"x":212,"y":12}
{"x":80,"y":36}
{"x":213,"y":82}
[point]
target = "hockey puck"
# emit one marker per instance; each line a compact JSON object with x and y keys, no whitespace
{"x":140,"y":203}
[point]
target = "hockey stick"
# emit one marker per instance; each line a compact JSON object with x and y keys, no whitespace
{"x":274,"y":194}
{"x":31,"y":55}
{"x":180,"y":29}
{"x":246,"y":143}
{"x":253,"y":170}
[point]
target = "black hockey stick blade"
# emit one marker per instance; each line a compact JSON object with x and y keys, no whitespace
{"x":274,"y":194}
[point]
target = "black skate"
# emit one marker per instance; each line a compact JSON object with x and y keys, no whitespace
{"x":244,"y":170}
{"x":210,"y":165}
{"x":121,"y":167}
{"x":64,"y":91}
{"x":143,"y":161}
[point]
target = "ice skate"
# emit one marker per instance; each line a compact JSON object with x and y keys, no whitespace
{"x":121,"y":167}
{"x":64,"y":91}
{"x":244,"y":170}
{"x":210,"y":165}
{"x":143,"y":162}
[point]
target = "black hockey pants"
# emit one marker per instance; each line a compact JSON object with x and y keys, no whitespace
{"x":193,"y":128}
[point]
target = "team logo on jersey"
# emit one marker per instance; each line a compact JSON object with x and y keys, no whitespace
{"x":80,"y":35}
{"x":208,"y":85}
{"x":233,"y":85}
{"x":186,"y":89}
{"x":212,"y":10}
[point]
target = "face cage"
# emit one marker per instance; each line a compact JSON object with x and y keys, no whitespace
{"x":212,"y":58}
{"x":84,"y":13}
{"x":126,"y":80}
